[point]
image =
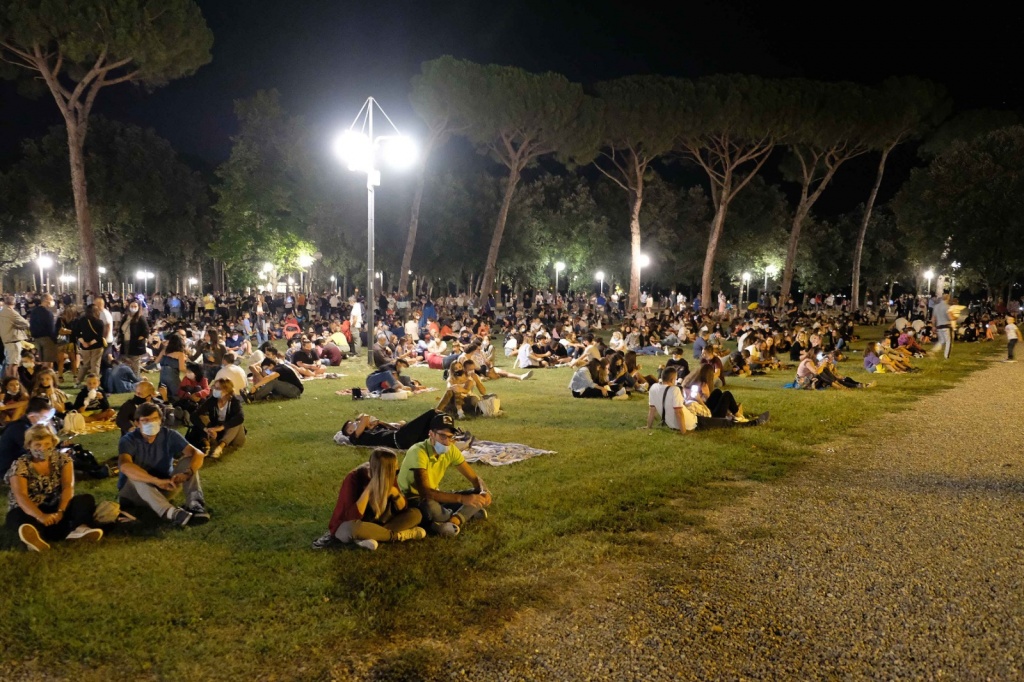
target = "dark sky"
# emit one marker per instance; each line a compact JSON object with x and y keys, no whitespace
{"x":326,"y":56}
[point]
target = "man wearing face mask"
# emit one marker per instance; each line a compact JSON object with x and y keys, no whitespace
{"x":145,"y":392}
{"x":133,"y":333}
{"x":424,"y":468}
{"x":12,"y":441}
{"x":150,"y":475}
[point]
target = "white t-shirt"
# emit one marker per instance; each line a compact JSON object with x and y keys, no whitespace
{"x":236,"y":375}
{"x":108,"y":319}
{"x":656,"y":397}
{"x":1012,"y":332}
{"x":412,"y":329}
{"x":523,"y":356}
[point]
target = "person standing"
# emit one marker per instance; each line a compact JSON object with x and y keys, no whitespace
{"x":89,"y":335}
{"x":940,"y":319}
{"x":134,"y":332}
{"x":43,"y":328}
{"x":1012,"y":336}
{"x":13,"y":332}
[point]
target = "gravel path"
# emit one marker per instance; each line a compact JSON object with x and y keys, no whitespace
{"x":896,"y":561}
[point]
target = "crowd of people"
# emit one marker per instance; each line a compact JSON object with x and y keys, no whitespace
{"x":208,"y":356}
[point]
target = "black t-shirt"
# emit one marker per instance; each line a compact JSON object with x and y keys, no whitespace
{"x":682,"y":364}
{"x":378,"y":436}
{"x":305,"y":356}
{"x":288,"y":375}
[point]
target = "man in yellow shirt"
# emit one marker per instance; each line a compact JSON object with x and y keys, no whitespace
{"x":424,"y":468}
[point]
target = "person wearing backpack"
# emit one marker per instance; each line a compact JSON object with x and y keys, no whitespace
{"x":665,"y":402}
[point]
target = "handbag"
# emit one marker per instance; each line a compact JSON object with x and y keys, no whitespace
{"x":489,"y":405}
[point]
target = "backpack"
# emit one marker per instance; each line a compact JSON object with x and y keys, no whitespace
{"x":74,"y":423}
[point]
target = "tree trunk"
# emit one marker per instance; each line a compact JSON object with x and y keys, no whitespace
{"x":487,"y":281}
{"x":717,"y":224}
{"x":635,"y":201}
{"x":76,"y":156}
{"x":414,"y":222}
{"x":858,"y":250}
{"x":794,"y":242}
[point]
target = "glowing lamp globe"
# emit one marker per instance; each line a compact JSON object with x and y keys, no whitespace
{"x":355,"y":149}
{"x":400,"y":152}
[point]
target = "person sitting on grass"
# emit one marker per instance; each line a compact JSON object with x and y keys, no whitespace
{"x":27,"y":370}
{"x":13,"y":401}
{"x":277,"y":380}
{"x":307,"y":359}
{"x":145,"y":392}
{"x":423,"y":469}
{"x":829,"y":375}
{"x":42,"y":504}
{"x":92,"y":403}
{"x":900,"y":357}
{"x":665,"y":402}
{"x":371,"y":509}
{"x":527,"y":356}
{"x":589,"y":382}
{"x":874,"y":361}
{"x":475,"y":353}
{"x":46,"y":387}
{"x":235,"y":374}
{"x":218,"y":423}
{"x":721,"y":404}
{"x":459,"y":396}
{"x":156,"y":461}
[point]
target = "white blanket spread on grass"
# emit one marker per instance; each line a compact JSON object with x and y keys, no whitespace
{"x":485,"y":451}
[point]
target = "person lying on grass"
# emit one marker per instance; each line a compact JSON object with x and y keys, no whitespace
{"x":43,"y":505}
{"x":371,"y":509}
{"x":369,"y":431}
{"x":155,"y":462}
{"x":423,"y":469}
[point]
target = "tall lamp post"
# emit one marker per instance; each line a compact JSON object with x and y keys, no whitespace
{"x":305,"y":260}
{"x":746,"y":286}
{"x":600,"y":278}
{"x":358,"y":148}
{"x":145,"y":276}
{"x":928,"y":275}
{"x":45,"y":263}
{"x":102,"y":270}
{"x":559,"y":266}
{"x":769,"y":271}
{"x":956,"y":266}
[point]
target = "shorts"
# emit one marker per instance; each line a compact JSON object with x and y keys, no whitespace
{"x":47,"y":350}
{"x":12,"y":353}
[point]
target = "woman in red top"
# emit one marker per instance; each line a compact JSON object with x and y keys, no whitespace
{"x":370,"y":507}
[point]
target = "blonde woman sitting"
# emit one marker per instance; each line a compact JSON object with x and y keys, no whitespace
{"x":371,"y":509}
{"x":462,"y":379}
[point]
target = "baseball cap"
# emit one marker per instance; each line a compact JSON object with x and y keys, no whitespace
{"x":442,"y":422}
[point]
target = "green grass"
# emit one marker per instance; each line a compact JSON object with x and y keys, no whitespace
{"x":244,"y":596}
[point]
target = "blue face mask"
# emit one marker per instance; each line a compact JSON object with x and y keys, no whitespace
{"x":150,"y":428}
{"x":216,"y":392}
{"x":440,"y":448}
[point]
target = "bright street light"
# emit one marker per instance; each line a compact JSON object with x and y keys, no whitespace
{"x":268,"y":267}
{"x":102,"y":270}
{"x":44,"y":262}
{"x":559,"y":266}
{"x":600,"y":276}
{"x":357,"y":147}
{"x":145,"y":276}
{"x":928,"y":275}
{"x":305,"y":260}
{"x":645,"y":260}
{"x":192,"y":281}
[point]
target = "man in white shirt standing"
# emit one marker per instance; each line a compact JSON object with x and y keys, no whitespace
{"x":355,"y":321}
{"x":108,"y":324}
{"x":665,"y":401}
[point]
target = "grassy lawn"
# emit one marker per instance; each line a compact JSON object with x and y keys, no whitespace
{"x":245,"y":597}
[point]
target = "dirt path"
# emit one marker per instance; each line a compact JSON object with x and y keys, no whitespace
{"x":903,"y":560}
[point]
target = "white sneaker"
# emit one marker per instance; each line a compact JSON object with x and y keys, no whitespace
{"x":367,"y":544}
{"x":526,"y":376}
{"x":85,"y":533}
{"x":30,"y":536}
{"x":622,"y":395}
{"x":416,"y":533}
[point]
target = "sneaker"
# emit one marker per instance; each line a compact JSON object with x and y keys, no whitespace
{"x":622,"y":395}
{"x":763,"y":418}
{"x":85,"y":533}
{"x":217,"y":451}
{"x":30,"y":536}
{"x":447,"y":530}
{"x":199,"y":514}
{"x":326,"y":540}
{"x":179,"y":516}
{"x":480,"y":515}
{"x":529,"y":373}
{"x":367,"y":544}
{"x":416,"y":533}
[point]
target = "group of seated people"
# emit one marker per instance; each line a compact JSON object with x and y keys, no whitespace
{"x":34,"y":382}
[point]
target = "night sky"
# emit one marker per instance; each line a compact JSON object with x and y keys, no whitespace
{"x":326,"y":56}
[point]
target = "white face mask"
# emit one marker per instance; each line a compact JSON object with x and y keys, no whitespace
{"x":216,"y":393}
{"x":150,"y":428}
{"x":39,"y":453}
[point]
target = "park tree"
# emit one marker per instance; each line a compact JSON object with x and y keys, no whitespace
{"x":434,"y":94}
{"x":265,"y":195}
{"x":965,"y":126}
{"x":970,"y":202}
{"x":79,"y":47}
{"x":729,"y":127}
{"x":906,"y":108}
{"x":516,"y":118}
{"x":831,"y":129}
{"x":638,"y":117}
{"x":140,"y":192}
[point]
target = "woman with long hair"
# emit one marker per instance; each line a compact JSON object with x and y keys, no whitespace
{"x":89,"y":330}
{"x":371,"y":509}
{"x":45,"y":386}
{"x":219,"y":422}
{"x":172,"y":362}
{"x":133,"y":332}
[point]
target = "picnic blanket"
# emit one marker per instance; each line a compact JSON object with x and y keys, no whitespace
{"x":484,"y":451}
{"x":96,"y":427}
{"x":328,"y":375}
{"x":367,"y":394}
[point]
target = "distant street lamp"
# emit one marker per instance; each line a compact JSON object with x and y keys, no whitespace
{"x":952,"y":288}
{"x":102,"y":270}
{"x":600,"y":277}
{"x":44,"y":263}
{"x":770,"y":271}
{"x":305,"y":260}
{"x":559,"y":266}
{"x":145,"y":276}
{"x":358,"y":148}
{"x":192,"y":281}
{"x":928,"y":275}
{"x":746,"y":286}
